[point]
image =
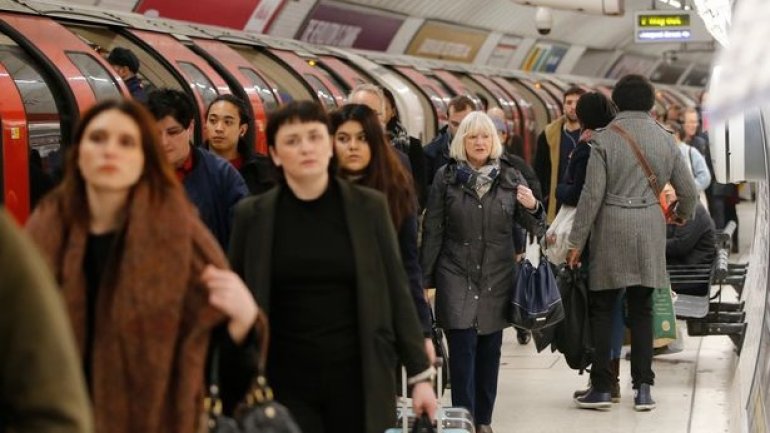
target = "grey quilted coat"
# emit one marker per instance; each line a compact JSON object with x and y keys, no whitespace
{"x":467,"y":251}
{"x":619,"y":210}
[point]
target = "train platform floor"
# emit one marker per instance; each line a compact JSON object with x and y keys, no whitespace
{"x":691,"y":391}
{"x":692,"y":387}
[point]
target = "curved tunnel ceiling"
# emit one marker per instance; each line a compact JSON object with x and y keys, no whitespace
{"x":505,"y":16}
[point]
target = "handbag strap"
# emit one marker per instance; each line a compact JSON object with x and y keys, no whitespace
{"x":259,"y":390}
{"x":648,"y":173}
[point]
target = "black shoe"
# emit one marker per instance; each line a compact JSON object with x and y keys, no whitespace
{"x":484,"y":428}
{"x":523,"y":336}
{"x":594,"y":400}
{"x":643,"y":399}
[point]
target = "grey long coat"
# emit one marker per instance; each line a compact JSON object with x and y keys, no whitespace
{"x":468,"y":252}
{"x":619,"y":210}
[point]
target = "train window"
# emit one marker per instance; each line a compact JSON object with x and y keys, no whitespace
{"x":264,"y":91}
{"x":343,"y":89}
{"x":326,"y":97}
{"x":98,"y":78}
{"x":152,"y":71}
{"x":201,"y":84}
{"x":45,"y":138}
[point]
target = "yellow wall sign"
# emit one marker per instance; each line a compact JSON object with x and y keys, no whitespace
{"x":663,"y":20}
{"x":664,"y":26}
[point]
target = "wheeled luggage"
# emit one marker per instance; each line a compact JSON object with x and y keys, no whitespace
{"x":450,"y":419}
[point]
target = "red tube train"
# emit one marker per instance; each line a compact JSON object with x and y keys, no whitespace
{"x":51,"y":70}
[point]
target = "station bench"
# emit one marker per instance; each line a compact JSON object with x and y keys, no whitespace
{"x":707,"y":314}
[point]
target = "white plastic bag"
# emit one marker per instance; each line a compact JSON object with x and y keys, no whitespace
{"x":554,"y":242}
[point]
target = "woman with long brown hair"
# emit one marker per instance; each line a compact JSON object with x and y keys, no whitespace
{"x":144,"y":281}
{"x":365,"y":158}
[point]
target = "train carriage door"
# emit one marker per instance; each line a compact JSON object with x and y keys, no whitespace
{"x":348,"y":76}
{"x":205,"y":83}
{"x":529,"y":120}
{"x":58,"y":77}
{"x":435,"y":93}
{"x":14,"y":153}
{"x":326,"y":91}
{"x":230,"y":64}
{"x":455,"y":85}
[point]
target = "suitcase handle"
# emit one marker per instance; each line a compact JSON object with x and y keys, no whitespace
{"x":439,"y":364}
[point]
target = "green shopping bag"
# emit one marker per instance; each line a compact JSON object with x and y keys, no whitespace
{"x":663,"y":317}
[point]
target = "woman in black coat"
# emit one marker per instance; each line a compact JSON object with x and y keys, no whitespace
{"x":321,"y":256}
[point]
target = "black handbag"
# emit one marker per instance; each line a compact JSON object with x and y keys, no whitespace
{"x":535,"y":299}
{"x":258,"y":413}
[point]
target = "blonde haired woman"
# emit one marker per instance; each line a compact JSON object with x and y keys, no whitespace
{"x":467,"y":255}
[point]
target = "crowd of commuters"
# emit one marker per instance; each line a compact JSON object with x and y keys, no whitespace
{"x":166,"y":251}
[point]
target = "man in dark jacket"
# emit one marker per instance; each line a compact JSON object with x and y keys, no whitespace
{"x":126,"y":65}
{"x":212,"y":184}
{"x":554,"y":146}
{"x":437,"y":151}
{"x":690,"y":244}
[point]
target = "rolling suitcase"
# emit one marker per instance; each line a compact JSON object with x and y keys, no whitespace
{"x":449,"y":419}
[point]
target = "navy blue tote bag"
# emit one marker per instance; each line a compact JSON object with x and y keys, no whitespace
{"x":535,"y":299}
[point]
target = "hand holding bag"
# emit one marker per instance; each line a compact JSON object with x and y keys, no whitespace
{"x":258,"y":413}
{"x":555,"y":245}
{"x":535,"y":299}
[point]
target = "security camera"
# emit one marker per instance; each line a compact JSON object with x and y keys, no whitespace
{"x":543,"y":20}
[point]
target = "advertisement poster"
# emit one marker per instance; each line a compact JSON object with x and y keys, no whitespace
{"x":544,"y":57}
{"x":447,"y":42}
{"x":504,"y":51}
{"x":341,"y":26}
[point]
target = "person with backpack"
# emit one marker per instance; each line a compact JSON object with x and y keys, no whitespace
{"x":594,"y":111}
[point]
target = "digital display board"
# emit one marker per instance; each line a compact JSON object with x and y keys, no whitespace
{"x":663,"y":21}
{"x":662,"y":26}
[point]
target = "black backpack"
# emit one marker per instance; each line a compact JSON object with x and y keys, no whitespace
{"x":572,"y":336}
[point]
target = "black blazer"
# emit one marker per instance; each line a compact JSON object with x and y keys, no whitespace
{"x":389,"y":329}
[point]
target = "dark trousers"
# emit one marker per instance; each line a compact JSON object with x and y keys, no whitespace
{"x":639,"y":301}
{"x":474,"y":363}
{"x":327,"y":398}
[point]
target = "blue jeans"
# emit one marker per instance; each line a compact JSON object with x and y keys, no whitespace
{"x":474,"y":363}
{"x":618,"y":326}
